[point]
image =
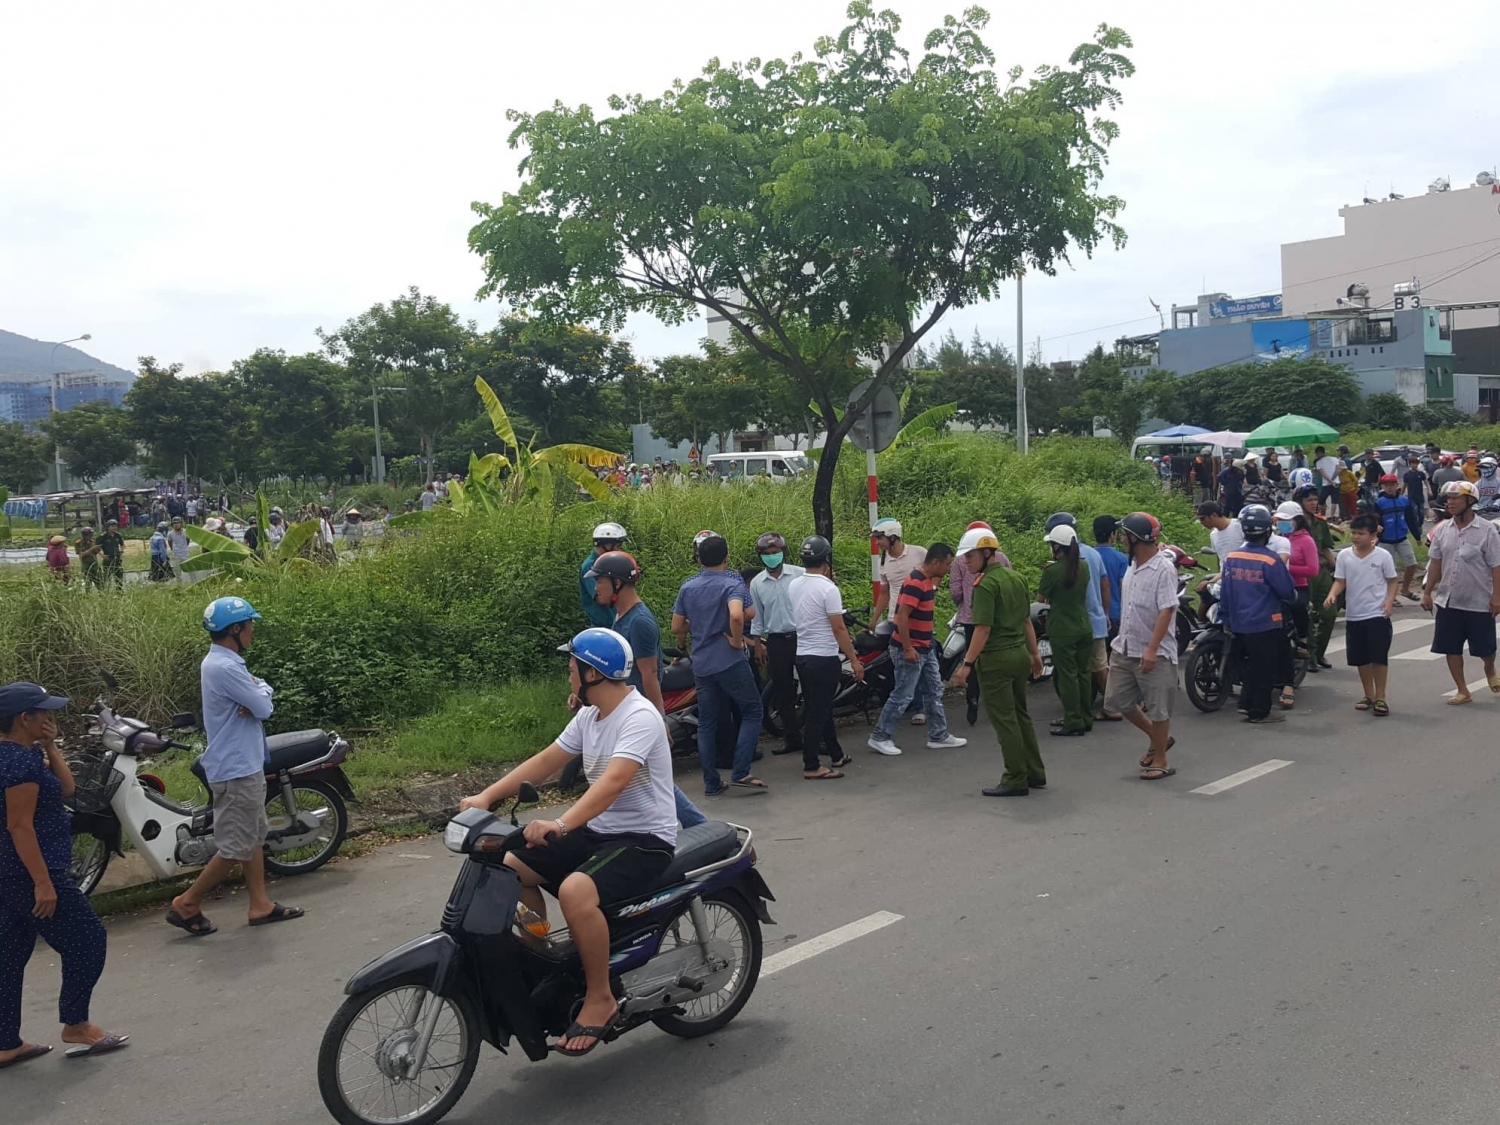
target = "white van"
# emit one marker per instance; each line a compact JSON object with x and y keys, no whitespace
{"x":776,"y":465}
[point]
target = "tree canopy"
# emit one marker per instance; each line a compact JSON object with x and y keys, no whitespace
{"x":94,"y":438}
{"x":831,"y":209}
{"x":1241,"y":396}
{"x":24,"y":457}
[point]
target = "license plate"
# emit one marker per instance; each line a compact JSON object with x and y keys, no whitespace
{"x":1044,"y":647}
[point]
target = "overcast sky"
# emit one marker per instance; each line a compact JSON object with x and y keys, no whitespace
{"x":194,"y":181}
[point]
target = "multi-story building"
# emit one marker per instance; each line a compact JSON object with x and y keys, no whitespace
{"x":28,"y":399}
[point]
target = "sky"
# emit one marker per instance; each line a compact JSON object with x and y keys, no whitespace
{"x":195,"y":181}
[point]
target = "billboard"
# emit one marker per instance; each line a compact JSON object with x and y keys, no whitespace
{"x":1269,"y":305}
{"x":1332,"y":333}
{"x":1279,"y":339}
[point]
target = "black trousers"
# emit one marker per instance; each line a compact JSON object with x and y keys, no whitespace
{"x":820,"y":683}
{"x":781,"y":658}
{"x":1265,"y":664}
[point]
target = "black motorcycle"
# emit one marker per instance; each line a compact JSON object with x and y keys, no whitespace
{"x":685,"y":956}
{"x":873,"y":647}
{"x":1208,"y":674}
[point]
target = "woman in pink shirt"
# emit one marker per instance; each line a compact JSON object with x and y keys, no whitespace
{"x":1304,"y":564}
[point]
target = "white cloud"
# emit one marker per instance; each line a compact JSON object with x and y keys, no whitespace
{"x":194,"y":181}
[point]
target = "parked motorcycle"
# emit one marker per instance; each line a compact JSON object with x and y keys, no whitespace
{"x":686,"y":957}
{"x":1208,"y":674}
{"x":306,"y":790}
{"x":873,"y":647}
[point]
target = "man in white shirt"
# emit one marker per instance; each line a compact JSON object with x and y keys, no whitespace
{"x":818,"y":616}
{"x":1327,"y":467}
{"x":179,"y":544}
{"x":1224,"y":534}
{"x":616,"y":840}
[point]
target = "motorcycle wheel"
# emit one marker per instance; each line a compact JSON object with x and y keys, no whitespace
{"x":370,"y":1027}
{"x":309,"y":796}
{"x":731,"y":919}
{"x":90,"y":860}
{"x":1203,"y":677}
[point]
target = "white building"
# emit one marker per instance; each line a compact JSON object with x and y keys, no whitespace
{"x":1447,"y":241}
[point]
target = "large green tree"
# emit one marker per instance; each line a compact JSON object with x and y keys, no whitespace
{"x":24,"y":457}
{"x":179,"y":418}
{"x":1243,"y":395}
{"x":94,"y":438}
{"x":829,"y":208}
{"x":698,"y":397}
{"x":294,"y":406}
{"x":420,"y":344}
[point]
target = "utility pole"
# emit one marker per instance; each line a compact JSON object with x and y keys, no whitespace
{"x":379,"y":465}
{"x":1023,"y":440}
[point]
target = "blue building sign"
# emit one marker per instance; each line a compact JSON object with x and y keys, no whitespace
{"x":1279,"y":339}
{"x":1269,"y":305}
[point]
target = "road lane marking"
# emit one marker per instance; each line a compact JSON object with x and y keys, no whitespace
{"x":1397,"y":628}
{"x":1240,"y":778}
{"x":800,"y":952}
{"x":1471,"y":688}
{"x":1418,"y":654}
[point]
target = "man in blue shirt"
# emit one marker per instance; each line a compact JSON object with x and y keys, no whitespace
{"x":235,"y":707}
{"x":1394,"y":510}
{"x":1255,"y":589}
{"x":1114,"y":564}
{"x":715,"y":606}
{"x":775,"y":632}
{"x":607,"y":537}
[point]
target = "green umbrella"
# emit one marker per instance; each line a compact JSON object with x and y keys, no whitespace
{"x":1291,"y":429}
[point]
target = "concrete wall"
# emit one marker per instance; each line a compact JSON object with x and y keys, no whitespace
{"x":1426,"y":236}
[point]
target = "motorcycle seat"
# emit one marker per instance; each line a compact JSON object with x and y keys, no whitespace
{"x":295,"y":748}
{"x":677,"y":676}
{"x":699,"y":846}
{"x":865,"y":643}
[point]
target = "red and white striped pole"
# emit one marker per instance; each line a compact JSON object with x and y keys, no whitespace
{"x":872,"y":487}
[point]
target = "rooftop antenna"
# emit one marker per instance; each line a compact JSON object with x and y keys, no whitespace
{"x":1160,"y":316}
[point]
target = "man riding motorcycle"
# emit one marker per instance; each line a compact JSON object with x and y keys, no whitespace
{"x":617,"y":839}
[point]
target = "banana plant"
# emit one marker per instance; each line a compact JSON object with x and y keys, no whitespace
{"x":221,"y":552}
{"x":532,"y":469}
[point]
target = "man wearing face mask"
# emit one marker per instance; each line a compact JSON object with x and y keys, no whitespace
{"x":774,"y":632}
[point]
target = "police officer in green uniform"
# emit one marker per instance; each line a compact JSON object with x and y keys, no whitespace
{"x":1322,"y":617}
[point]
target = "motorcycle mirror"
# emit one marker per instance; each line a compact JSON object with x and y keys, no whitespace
{"x":528,"y":794}
{"x":184,"y":720}
{"x":109,"y":679}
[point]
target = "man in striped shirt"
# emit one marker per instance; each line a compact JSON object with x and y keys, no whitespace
{"x":915,"y":658}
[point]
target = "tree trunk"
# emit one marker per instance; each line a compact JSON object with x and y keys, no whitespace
{"x":823,"y":487}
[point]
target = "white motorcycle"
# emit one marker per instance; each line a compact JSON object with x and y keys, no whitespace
{"x":306,"y":790}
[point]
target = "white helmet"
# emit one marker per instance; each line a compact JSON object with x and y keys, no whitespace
{"x":887,"y":527}
{"x":976,"y":538}
{"x":610,"y":532}
{"x":1289,"y":511}
{"x":1302,"y":478}
{"x":1063,"y":535}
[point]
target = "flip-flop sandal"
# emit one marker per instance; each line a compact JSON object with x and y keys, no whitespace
{"x":35,"y":1051}
{"x":102,"y":1047}
{"x":576,"y":1029}
{"x":754,"y":784}
{"x":823,"y":775}
{"x":1381,"y":708}
{"x":1460,"y":700}
{"x":719,"y":792}
{"x":1146,"y":761}
{"x":1286,"y":702}
{"x":1494,"y":682}
{"x":1157,"y":773}
{"x":1364,"y":704}
{"x":196,"y":925}
{"x":1412,"y":597}
{"x":1105,"y":717}
{"x":279,"y":913}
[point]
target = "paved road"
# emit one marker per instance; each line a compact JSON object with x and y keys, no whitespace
{"x":1315,"y":945}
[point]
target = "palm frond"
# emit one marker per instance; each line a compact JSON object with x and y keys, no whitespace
{"x":498,"y":418}
{"x":297,"y":536}
{"x":212,"y":540}
{"x":926,"y":424}
{"x":584,"y":479}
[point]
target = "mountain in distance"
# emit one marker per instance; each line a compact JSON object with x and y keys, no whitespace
{"x":28,"y":358}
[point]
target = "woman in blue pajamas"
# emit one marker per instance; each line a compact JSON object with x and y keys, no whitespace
{"x":36,"y":894}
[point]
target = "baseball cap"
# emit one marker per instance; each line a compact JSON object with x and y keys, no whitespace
{"x":23,"y":696}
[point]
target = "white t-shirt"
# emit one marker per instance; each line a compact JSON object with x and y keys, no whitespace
{"x":1365,"y":582}
{"x":893,"y":572}
{"x":633,"y":730}
{"x":814,"y":599}
{"x":1281,"y":545}
{"x":1328,"y":468}
{"x":1227,"y":539}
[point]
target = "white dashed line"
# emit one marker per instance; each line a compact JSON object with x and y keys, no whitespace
{"x":1470,"y":688}
{"x":1397,"y":628}
{"x":1418,"y":654}
{"x":824,"y":942}
{"x":1240,"y":778}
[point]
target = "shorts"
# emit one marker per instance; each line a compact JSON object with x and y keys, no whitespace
{"x":1402,"y":553}
{"x":622,"y":867}
{"x":1456,"y":626}
{"x":1099,"y":655}
{"x":240,"y":824}
{"x":1368,"y":641}
{"x":1154,"y":692}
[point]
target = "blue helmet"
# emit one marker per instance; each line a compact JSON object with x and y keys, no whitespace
{"x":221,"y":613}
{"x":603,"y":650}
{"x":1255,"y":518}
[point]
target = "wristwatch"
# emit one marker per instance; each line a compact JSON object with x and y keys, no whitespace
{"x":968,"y":664}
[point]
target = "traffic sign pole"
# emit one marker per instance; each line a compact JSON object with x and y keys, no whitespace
{"x":871,"y":485}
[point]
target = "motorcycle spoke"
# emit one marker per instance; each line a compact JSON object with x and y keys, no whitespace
{"x":363,"y":1081}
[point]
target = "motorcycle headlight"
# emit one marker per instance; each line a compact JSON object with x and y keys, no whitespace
{"x":454,"y":836}
{"x":113,"y":740}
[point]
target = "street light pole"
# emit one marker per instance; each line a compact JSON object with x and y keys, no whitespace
{"x":1023,"y":436}
{"x":51,"y":362}
{"x":375,"y":410}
